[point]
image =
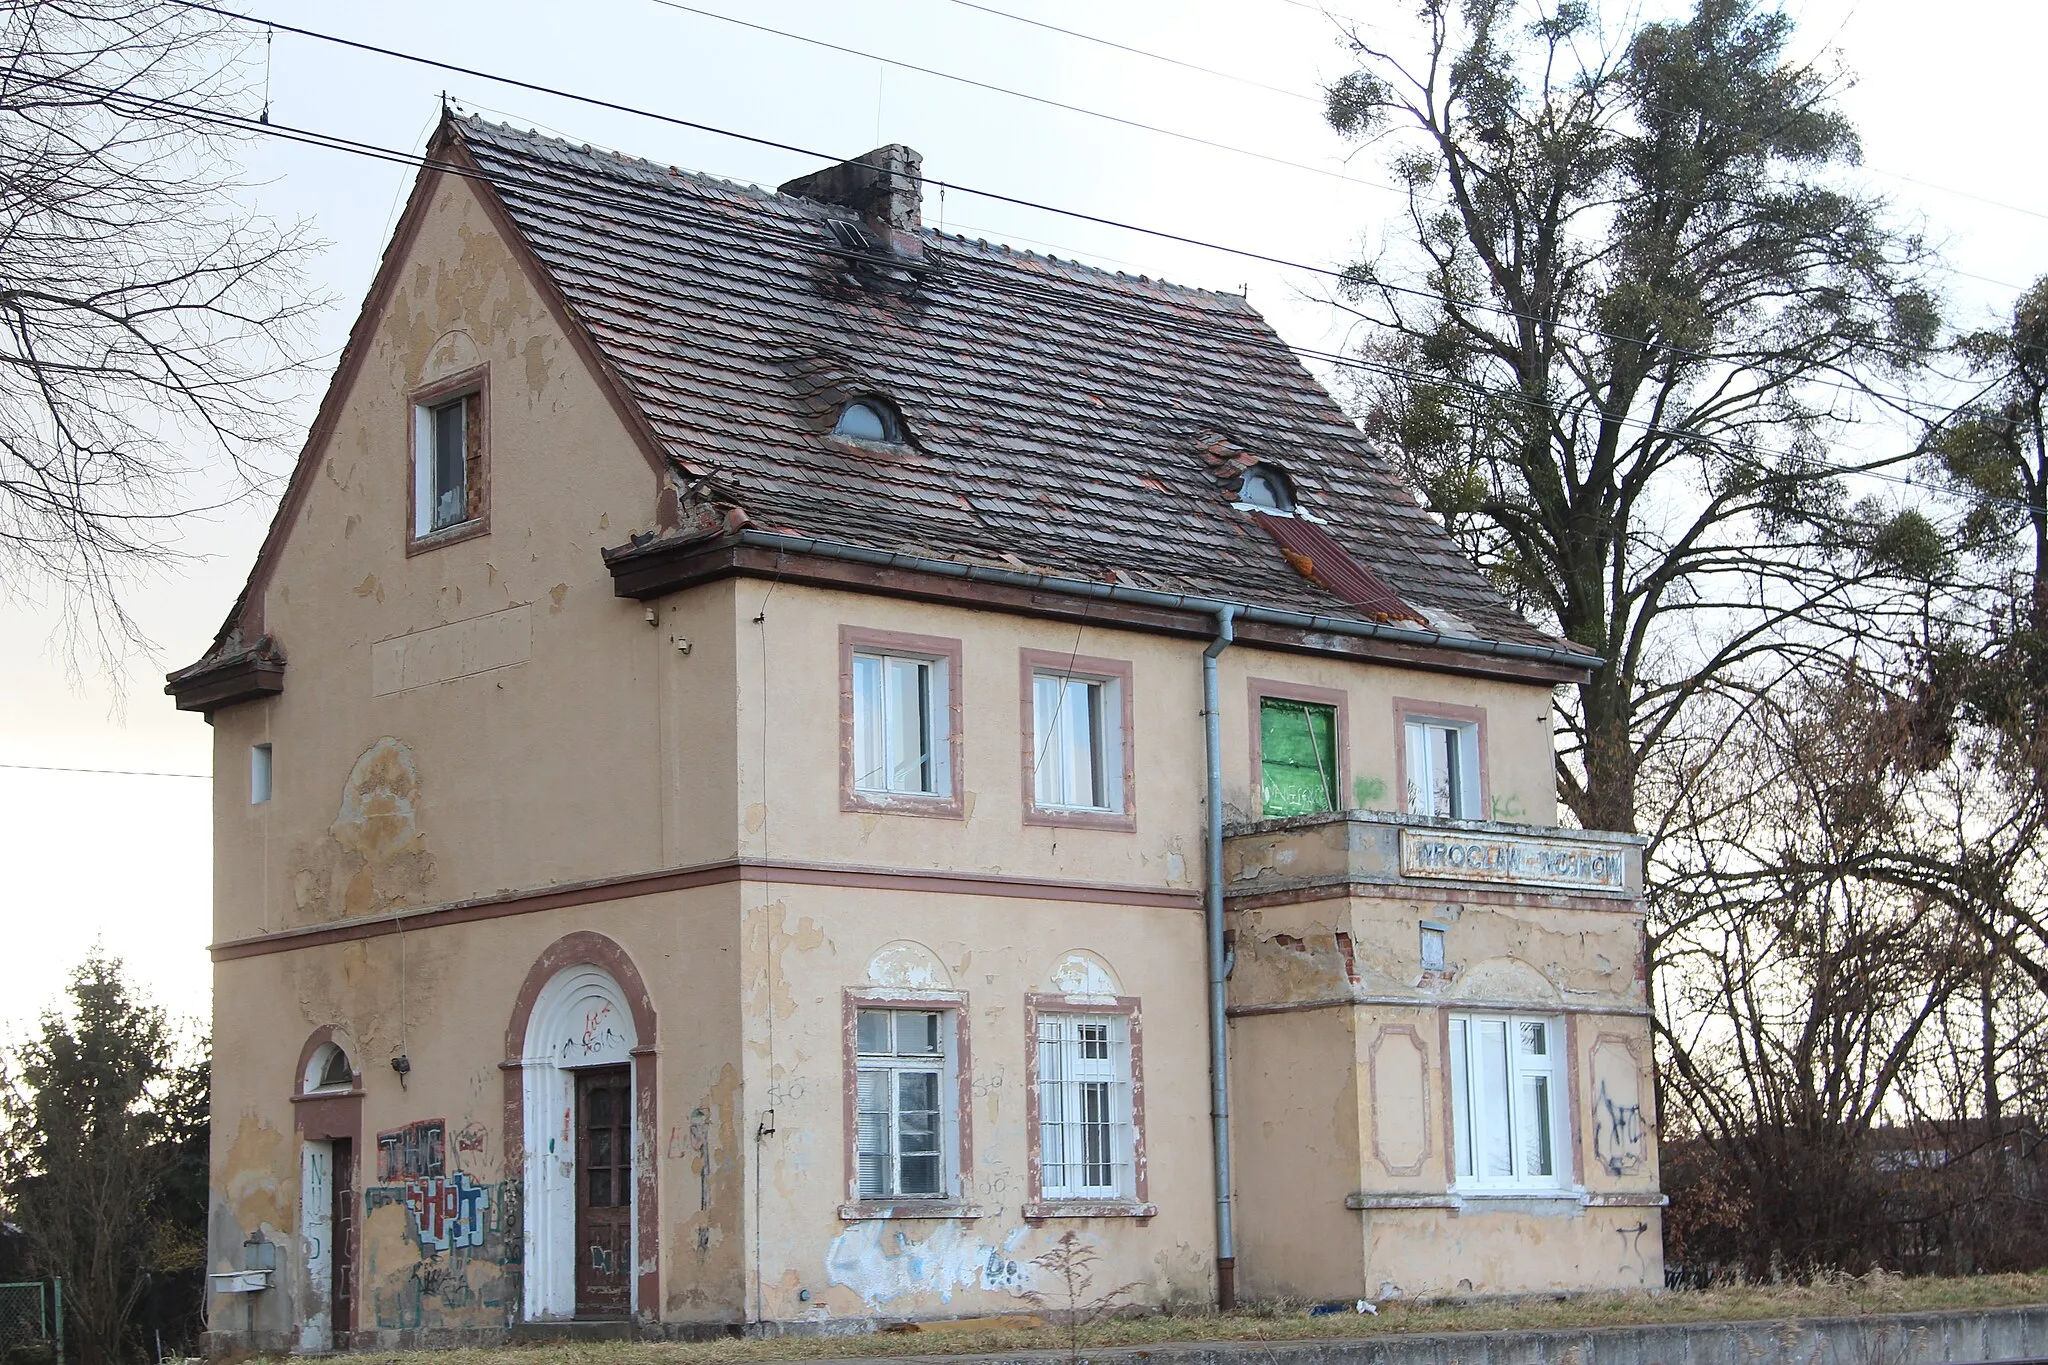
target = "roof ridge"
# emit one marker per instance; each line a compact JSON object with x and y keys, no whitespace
{"x":767,"y":194}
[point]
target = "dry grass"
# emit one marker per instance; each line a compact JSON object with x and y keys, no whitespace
{"x":1834,"y":1297}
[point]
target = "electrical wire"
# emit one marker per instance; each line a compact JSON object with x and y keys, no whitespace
{"x":335,"y":142}
{"x":99,"y":772}
{"x":1013,"y":93}
{"x":992,"y":195}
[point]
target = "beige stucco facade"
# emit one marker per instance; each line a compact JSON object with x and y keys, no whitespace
{"x":488,"y":771}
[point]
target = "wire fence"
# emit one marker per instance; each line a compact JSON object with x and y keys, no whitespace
{"x":31,"y":1316}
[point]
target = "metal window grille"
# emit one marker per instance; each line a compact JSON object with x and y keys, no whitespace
{"x":1084,"y":1106}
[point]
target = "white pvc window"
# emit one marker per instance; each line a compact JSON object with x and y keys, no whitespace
{"x":905,"y":1103}
{"x":1078,"y":740}
{"x":1443,"y":769}
{"x":1507,"y":1114}
{"x":259,"y":774}
{"x":1086,"y":1134}
{"x":442,"y":462}
{"x":900,"y":725}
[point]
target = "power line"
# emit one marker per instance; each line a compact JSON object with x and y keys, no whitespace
{"x":1013,"y":93}
{"x":1098,"y":307}
{"x":100,"y":772}
{"x":1078,"y":215}
{"x":1138,"y":51}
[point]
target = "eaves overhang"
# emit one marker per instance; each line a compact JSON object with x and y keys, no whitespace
{"x":662,"y":565}
{"x":226,"y":680}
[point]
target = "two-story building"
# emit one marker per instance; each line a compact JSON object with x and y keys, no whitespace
{"x":775,"y":761}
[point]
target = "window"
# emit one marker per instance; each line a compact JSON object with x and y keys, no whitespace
{"x":904,"y":1120}
{"x":899,"y":716}
{"x":1298,"y":756}
{"x":1506,"y":1112}
{"x":448,"y":462}
{"x":1086,"y":1133}
{"x":259,"y":774}
{"x":1442,"y":769}
{"x":329,"y":1070}
{"x":1266,"y":487}
{"x":898,"y":734}
{"x":1077,"y":759}
{"x":866,"y":420}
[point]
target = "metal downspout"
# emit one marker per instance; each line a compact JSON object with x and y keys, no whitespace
{"x":1219,"y":959}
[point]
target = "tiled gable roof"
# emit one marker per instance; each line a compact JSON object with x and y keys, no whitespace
{"x":1062,"y":419}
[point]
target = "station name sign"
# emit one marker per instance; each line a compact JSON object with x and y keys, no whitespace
{"x":1514,"y":859}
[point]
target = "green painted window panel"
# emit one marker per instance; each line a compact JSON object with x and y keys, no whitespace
{"x":1297,"y":756}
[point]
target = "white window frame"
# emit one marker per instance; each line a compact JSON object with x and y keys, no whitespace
{"x":1056,"y":725}
{"x":262,"y":773}
{"x":878,"y":725}
{"x":1072,"y":1077}
{"x":1479,"y":1119}
{"x":427,"y":493}
{"x":1460,"y":782}
{"x":944,"y":1066}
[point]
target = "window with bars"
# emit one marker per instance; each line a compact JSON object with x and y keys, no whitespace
{"x":1086,"y":1132}
{"x":1508,"y":1124}
{"x":900,"y":718}
{"x":904,"y":1103}
{"x":1077,"y":738}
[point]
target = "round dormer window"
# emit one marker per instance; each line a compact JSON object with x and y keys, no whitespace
{"x":864,"y":419}
{"x":1264,"y":486}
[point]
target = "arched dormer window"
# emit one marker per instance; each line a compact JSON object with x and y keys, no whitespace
{"x":1267,"y":487}
{"x":329,"y":1070}
{"x":870,"y":420}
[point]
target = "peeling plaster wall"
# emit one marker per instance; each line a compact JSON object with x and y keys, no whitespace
{"x":804,"y":946}
{"x":420,"y":1273}
{"x":421,"y":750}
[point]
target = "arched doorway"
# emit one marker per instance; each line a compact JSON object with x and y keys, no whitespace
{"x":583,"y":1111}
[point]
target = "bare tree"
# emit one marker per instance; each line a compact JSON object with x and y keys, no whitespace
{"x":1630,"y":306}
{"x":149,"y":319}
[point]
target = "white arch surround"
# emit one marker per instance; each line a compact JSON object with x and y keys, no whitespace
{"x":1082,"y":973}
{"x":580,"y":1019}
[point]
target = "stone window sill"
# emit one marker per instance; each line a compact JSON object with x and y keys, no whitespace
{"x":1040,"y":1210}
{"x":867,"y":1209}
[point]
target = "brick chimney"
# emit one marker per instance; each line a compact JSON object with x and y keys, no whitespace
{"x":884,"y":187}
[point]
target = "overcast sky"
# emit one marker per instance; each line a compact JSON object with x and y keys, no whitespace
{"x":1945,"y":97}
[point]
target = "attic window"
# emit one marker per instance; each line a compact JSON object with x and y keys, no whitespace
{"x":1265,"y":486}
{"x":866,"y":420}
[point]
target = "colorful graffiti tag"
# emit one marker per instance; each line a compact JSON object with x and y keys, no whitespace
{"x":418,"y":1149}
{"x":448,"y":1210}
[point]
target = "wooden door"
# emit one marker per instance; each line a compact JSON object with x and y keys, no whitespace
{"x":604,"y":1191}
{"x":342,"y":1263}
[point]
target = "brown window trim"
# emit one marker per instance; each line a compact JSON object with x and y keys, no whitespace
{"x":1037,"y":1207}
{"x":1261,"y":688}
{"x":1031,"y":663}
{"x":1411,"y":708}
{"x":478,"y":382}
{"x":856,"y":639}
{"x":957,"y":1204}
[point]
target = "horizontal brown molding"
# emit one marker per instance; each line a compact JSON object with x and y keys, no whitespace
{"x":1315,"y":890}
{"x":1338,"y":1002}
{"x":720,"y":873}
{"x":663,"y":567}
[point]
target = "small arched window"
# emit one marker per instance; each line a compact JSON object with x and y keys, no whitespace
{"x":330,"y":1070}
{"x":1266,"y":486}
{"x":864,"y":419}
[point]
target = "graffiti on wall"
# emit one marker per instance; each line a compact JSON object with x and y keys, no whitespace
{"x":440,"y":1249}
{"x":418,"y":1149}
{"x":1618,"y":1133}
{"x":447,"y":1210}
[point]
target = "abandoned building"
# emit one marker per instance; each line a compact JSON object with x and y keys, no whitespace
{"x":775,"y":761}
